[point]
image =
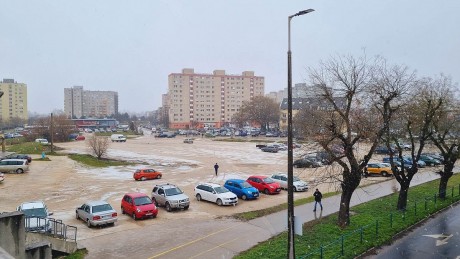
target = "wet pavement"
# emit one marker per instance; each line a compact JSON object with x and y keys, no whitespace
{"x":439,"y":237}
{"x":219,"y":238}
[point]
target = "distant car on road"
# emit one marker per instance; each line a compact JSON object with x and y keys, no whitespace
{"x":170,"y":196}
{"x":264,"y":184}
{"x":20,"y":156}
{"x":80,"y":137}
{"x":146,"y":174}
{"x":270,"y":149}
{"x":242,"y":189}
{"x":97,"y":213}
{"x":383,"y":169}
{"x":118,"y":138}
{"x":138,"y":205}
{"x":215,"y":193}
{"x":188,"y":141}
{"x":298,"y":184}
{"x":307,"y":162}
{"x":18,"y":166}
{"x":42,"y":141}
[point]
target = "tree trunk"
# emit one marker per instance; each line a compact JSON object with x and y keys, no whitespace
{"x":445,"y":176}
{"x":402,"y":199}
{"x":344,"y":212}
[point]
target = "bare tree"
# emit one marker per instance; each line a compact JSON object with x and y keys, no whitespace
{"x":98,"y":145}
{"x":446,"y":128}
{"x":351,"y":88}
{"x":260,"y":109}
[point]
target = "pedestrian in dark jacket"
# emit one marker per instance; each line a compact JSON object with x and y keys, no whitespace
{"x":318,"y":197}
{"x":216,"y":167}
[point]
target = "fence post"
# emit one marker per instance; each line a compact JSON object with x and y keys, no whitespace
{"x":376,"y":228}
{"x":415,"y":208}
{"x":361,"y":234}
{"x":434,"y":200}
{"x":452,"y":191}
{"x":425,"y":203}
{"x":391,"y":220}
{"x":342,"y":246}
{"x":321,"y":251}
{"x":404,"y":215}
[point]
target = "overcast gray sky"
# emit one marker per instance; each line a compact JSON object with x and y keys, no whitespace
{"x":132,"y":46}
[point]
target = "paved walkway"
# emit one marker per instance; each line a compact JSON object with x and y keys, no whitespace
{"x":220,"y":238}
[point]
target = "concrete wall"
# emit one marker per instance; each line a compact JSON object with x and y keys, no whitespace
{"x":12,"y":233}
{"x":56,"y":243}
{"x":41,"y":250}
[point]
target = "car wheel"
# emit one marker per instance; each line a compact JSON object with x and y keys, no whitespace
{"x":294,"y":188}
{"x":159,"y":176}
{"x":384,"y":174}
{"x":244,"y":197}
{"x":186,"y":207}
{"x":198,"y":197}
{"x":142,"y":178}
{"x":134,"y":216}
{"x":19,"y":171}
{"x":297,"y":166}
{"x":310,"y":166}
{"x":155,"y":202}
{"x":76,"y":215}
{"x":88,"y":223}
{"x":168,"y":207}
{"x":219,"y":202}
{"x":266,"y":191}
{"x":122,"y":210}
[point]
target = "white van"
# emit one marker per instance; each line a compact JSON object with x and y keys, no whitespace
{"x":14,"y":165}
{"x":118,"y":138}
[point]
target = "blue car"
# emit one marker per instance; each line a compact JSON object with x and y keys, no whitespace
{"x":242,"y":189}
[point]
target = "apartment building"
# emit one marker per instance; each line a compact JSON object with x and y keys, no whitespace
{"x":197,"y":100}
{"x":13,"y":103}
{"x":80,"y":103}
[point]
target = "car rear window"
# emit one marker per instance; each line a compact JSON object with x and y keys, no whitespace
{"x":103,"y":207}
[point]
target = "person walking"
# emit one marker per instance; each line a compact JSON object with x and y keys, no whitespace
{"x":318,"y":196}
{"x":216,"y":167}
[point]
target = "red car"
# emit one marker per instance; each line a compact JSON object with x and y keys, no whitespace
{"x":145,"y":174}
{"x":264,"y":184}
{"x":80,"y":137}
{"x":138,"y":205}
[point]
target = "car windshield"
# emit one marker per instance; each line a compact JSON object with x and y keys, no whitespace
{"x":221,"y":189}
{"x":296,"y":179}
{"x":246,"y":185}
{"x":173,"y":191}
{"x":142,"y":201}
{"x":102,"y":207}
{"x":37,"y":212}
{"x":268,"y":180}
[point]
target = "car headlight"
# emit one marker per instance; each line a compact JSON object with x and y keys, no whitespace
{"x":138,"y":210}
{"x":271,"y":187}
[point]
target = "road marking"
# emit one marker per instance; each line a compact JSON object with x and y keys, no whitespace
{"x":441,"y":239}
{"x":191,"y":242}
{"x":215,"y":247}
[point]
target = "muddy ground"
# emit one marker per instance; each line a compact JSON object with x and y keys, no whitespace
{"x":64,"y":184}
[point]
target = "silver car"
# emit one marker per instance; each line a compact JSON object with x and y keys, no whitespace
{"x":170,"y":196}
{"x":96,"y":213}
{"x":14,"y":165}
{"x":282,"y":179}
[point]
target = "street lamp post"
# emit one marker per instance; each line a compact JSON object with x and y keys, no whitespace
{"x":291,"y":247}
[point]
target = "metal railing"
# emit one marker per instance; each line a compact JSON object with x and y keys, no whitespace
{"x":52,"y":227}
{"x":361,"y":239}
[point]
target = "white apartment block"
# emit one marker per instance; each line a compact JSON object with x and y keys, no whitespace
{"x":198,"y":100}
{"x":13,"y":103}
{"x":80,"y":103}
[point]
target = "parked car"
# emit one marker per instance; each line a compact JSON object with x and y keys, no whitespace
{"x":215,"y":193}
{"x":188,"y":141}
{"x":138,"y":205}
{"x":20,"y":156}
{"x":97,"y":213}
{"x":298,"y":184}
{"x":36,"y":216}
{"x":146,"y":174}
{"x":2,"y":177}
{"x":242,"y":189}
{"x":307,"y":162}
{"x":170,"y":196}
{"x":383,"y":169}
{"x":383,"y":150}
{"x":271,"y":149}
{"x":118,"y":138}
{"x":80,"y":137}
{"x":264,"y":184}
{"x":430,"y":161}
{"x":14,"y":165}
{"x":42,"y":141}
{"x":435,"y":156}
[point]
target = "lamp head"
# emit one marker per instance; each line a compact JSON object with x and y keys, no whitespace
{"x":304,"y":12}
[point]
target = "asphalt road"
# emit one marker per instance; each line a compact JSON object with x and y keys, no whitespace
{"x":439,"y":237}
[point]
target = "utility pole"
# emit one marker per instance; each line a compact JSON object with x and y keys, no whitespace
{"x":52,"y":133}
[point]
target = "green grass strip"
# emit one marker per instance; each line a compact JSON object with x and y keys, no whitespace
{"x":93,"y":161}
{"x":373,"y":223}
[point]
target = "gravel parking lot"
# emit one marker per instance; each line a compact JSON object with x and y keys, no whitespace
{"x":64,"y":184}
